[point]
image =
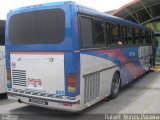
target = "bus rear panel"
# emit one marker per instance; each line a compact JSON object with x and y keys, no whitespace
{"x":42,"y":61}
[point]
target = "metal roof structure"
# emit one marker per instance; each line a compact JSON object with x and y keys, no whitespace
{"x":140,"y":11}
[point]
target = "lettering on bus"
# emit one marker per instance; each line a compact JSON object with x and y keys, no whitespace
{"x":132,"y":54}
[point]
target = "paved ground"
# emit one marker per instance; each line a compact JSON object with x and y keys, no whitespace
{"x":142,"y":96}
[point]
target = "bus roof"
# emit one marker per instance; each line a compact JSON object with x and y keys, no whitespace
{"x":86,"y":10}
{"x":110,"y":18}
{"x":39,"y":5}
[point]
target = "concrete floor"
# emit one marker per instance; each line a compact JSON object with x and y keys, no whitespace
{"x":142,"y":96}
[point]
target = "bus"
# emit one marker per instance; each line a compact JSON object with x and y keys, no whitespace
{"x":66,"y":56}
{"x":2,"y":59}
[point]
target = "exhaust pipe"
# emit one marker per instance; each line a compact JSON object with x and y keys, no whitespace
{"x":19,"y":100}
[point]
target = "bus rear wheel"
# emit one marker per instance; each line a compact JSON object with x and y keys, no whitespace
{"x":115,"y":85}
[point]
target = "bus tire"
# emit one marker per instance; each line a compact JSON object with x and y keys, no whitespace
{"x":115,"y":87}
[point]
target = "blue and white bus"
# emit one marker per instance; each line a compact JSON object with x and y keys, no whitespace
{"x":2,"y":59}
{"x":65,"y":56}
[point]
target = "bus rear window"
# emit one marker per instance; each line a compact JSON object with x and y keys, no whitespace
{"x":2,"y":32}
{"x":37,"y":27}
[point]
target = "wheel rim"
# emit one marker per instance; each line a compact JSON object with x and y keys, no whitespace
{"x":116,"y":84}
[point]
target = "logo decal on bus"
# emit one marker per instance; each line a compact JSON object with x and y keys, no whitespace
{"x":13,"y":65}
{"x":60,"y":92}
{"x":132,"y":54}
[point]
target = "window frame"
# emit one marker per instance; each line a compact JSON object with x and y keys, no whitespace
{"x":119,"y":34}
{"x":80,"y":33}
{"x":37,"y":28}
{"x":108,"y":37}
{"x":94,"y":42}
{"x":124,"y":39}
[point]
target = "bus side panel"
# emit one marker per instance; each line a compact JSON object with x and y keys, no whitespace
{"x":2,"y":70}
{"x":136,"y":64}
{"x":95,"y":80}
{"x":131,"y":67}
{"x":98,"y":67}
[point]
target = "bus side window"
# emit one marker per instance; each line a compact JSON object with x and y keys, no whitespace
{"x":2,"y":33}
{"x":140,"y":37}
{"x":124,"y":34}
{"x":86,"y":32}
{"x":107,"y":30}
{"x":153,"y":39}
{"x":133,"y":32}
{"x":98,"y":32}
{"x":115,"y":34}
{"x":2,"y":39}
{"x":129,"y":36}
{"x":143,"y":37}
{"x":148,"y":38}
{"x":136,"y":36}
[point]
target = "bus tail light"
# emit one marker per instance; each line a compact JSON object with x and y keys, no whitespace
{"x":71,"y":82}
{"x":8,"y":75}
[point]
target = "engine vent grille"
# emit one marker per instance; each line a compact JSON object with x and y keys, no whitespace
{"x":19,"y":77}
{"x":92,"y":87}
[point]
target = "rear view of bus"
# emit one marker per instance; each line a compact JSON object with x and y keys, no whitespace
{"x":42,"y":58}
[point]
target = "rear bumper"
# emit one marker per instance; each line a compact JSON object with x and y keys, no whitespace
{"x":45,"y":100}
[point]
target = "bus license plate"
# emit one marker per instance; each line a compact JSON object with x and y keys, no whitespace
{"x":36,"y":101}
